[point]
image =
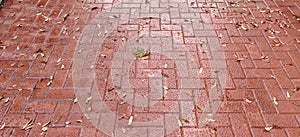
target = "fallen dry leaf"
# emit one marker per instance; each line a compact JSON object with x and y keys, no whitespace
{"x":49,"y":83}
{"x":166,"y":66}
{"x":210,"y":120}
{"x":88,"y":99}
{"x":272,"y":76}
{"x":268,"y":128}
{"x":15,"y":37}
{"x":2,"y":126}
{"x":94,"y":8}
{"x":79,"y":121}
{"x":247,"y":100}
{"x":130,"y":120}
{"x":29,"y":127}
{"x":44,"y":129}
{"x":68,"y":122}
{"x":6,"y":100}
{"x":275,"y":101}
{"x":244,"y":27}
{"x":200,"y":70}
{"x":277,"y":45}
{"x":288,"y":95}
{"x":65,"y":16}
{"x":190,"y":94}
{"x":200,"y":108}
{"x":179,"y":123}
{"x":75,"y":100}
{"x":296,"y":89}
{"x":46,"y":124}
{"x":165,"y":90}
{"x":185,"y":120}
{"x":27,"y":124}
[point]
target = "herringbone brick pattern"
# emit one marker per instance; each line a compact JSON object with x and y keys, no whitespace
{"x":252,"y":46}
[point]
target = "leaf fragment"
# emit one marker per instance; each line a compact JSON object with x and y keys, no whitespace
{"x":88,"y":99}
{"x":244,"y":27}
{"x":94,"y":8}
{"x":200,"y":70}
{"x":49,"y":83}
{"x":2,"y":126}
{"x":200,"y":108}
{"x":275,"y":101}
{"x":44,"y":129}
{"x":140,"y":52}
{"x":130,"y":121}
{"x":6,"y":100}
{"x":65,"y":16}
{"x":185,"y":120}
{"x":165,"y":88}
{"x":210,"y":120}
{"x":68,"y":123}
{"x":46,"y":124}
{"x":277,"y":45}
{"x":113,"y":17}
{"x":288,"y":95}
{"x":15,"y":37}
{"x":268,"y":128}
{"x":27,"y":124}
{"x":79,"y":121}
{"x":296,"y":89}
{"x":179,"y":123}
{"x":75,"y":100}
{"x":190,"y":94}
{"x":247,"y":100}
{"x":272,"y":76}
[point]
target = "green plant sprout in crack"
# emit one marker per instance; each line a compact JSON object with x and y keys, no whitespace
{"x":140,"y":52}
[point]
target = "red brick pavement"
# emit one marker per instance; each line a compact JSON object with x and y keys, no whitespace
{"x":260,"y":40}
